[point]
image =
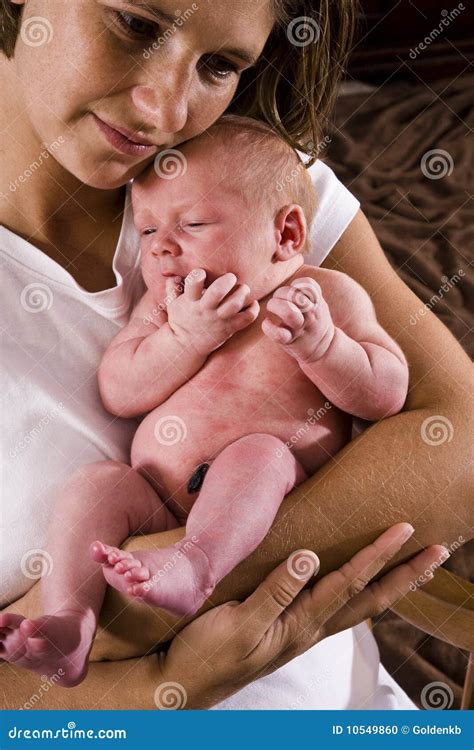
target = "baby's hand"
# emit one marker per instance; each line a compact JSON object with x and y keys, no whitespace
{"x":205,"y":318}
{"x":302,"y":322}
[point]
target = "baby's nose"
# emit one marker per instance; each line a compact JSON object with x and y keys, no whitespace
{"x":165,"y":246}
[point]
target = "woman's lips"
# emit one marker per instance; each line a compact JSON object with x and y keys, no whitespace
{"x":120,"y":141}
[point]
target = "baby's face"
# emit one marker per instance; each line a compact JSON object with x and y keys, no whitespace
{"x":197,"y":220}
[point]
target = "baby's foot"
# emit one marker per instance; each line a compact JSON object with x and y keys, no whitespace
{"x":178,"y":578}
{"x":56,"y":644}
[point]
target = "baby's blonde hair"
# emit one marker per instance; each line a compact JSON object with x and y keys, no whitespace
{"x":268,"y":174}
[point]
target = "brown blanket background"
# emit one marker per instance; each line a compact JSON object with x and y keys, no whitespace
{"x":425,"y":224}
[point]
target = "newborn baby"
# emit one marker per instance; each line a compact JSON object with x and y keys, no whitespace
{"x":248,"y":366}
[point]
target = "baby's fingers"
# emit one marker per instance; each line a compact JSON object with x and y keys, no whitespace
{"x":278,"y":334}
{"x":234,"y":302}
{"x":174,"y":288}
{"x":194,"y":284}
{"x":219,"y":289}
{"x":289,"y":314}
{"x":246,"y":317}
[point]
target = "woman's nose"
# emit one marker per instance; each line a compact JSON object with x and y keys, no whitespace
{"x":163,"y":103}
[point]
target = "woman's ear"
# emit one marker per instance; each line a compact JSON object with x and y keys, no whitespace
{"x":290,"y":232}
{"x":18,"y":2}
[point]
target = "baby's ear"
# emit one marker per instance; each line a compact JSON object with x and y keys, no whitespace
{"x":290,"y":232}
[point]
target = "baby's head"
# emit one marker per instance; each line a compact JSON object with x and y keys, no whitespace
{"x":239,"y":200}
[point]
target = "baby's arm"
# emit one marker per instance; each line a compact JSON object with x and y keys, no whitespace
{"x":158,"y":351}
{"x":332,"y":331}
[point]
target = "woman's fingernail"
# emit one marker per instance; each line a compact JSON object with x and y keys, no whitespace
{"x":444,"y":555}
{"x":407,"y":532}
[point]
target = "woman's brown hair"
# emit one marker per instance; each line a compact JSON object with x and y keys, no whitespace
{"x":294,"y":83}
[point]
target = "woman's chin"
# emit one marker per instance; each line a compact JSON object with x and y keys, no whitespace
{"x":109,"y":175}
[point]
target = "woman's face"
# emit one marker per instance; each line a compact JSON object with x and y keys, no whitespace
{"x":158,"y":71}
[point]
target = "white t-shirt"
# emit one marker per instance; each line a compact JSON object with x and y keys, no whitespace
{"x":53,"y":336}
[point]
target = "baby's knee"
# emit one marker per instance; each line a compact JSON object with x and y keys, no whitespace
{"x":99,"y":475}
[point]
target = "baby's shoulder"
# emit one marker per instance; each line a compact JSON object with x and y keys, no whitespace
{"x":328,"y":279}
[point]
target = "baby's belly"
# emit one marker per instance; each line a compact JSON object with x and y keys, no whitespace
{"x":192,"y":427}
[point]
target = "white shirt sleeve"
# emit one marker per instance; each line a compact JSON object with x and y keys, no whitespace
{"x":336,"y":207}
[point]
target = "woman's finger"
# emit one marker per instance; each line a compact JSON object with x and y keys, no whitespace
{"x":334,"y":590}
{"x":260,"y":610}
{"x":194,"y":284}
{"x":385,"y":593}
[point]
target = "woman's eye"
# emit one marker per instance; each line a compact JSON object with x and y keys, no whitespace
{"x":219,"y":68}
{"x":136,"y":27}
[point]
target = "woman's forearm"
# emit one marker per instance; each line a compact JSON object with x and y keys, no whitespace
{"x":388,"y":474}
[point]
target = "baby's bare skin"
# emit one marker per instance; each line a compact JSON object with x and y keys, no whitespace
{"x":255,"y":369}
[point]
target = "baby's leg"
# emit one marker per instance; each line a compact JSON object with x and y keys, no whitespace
{"x":240,"y":496}
{"x":106,"y":499}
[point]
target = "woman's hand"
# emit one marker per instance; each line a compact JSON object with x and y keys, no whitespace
{"x":227,"y":648}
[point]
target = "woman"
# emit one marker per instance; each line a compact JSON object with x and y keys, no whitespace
{"x":98,"y":88}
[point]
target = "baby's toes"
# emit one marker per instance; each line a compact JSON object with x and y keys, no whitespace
{"x":139,"y":590}
{"x":117,"y":555}
{"x":99,"y":551}
{"x":39,"y":646}
{"x":138,"y":574}
{"x":124,"y":565}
